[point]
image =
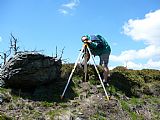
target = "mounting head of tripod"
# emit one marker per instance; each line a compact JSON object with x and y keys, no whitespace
{"x":86,"y":41}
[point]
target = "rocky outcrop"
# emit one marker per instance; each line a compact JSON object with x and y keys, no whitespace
{"x":30,"y":69}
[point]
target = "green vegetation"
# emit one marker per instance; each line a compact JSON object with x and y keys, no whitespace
{"x":54,"y":113}
{"x":134,"y":94}
{"x":4,"y":117}
{"x":136,"y":82}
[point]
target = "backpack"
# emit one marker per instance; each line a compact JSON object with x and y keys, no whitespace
{"x":99,"y":40}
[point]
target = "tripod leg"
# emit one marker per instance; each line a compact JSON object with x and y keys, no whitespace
{"x":98,"y":73}
{"x":85,"y":63}
{"x":75,"y":65}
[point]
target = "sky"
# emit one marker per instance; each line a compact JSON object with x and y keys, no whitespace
{"x":131,"y":28}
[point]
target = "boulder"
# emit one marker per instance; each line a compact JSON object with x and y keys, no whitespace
{"x":30,"y":69}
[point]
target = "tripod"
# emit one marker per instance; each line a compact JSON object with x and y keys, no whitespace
{"x":85,"y":49}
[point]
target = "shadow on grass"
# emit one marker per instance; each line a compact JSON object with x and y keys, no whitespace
{"x":47,"y":93}
{"x":121,"y":82}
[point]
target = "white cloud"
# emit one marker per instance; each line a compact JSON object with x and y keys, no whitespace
{"x":132,"y":65}
{"x":68,"y":7}
{"x":149,"y":65}
{"x":146,"y":29}
{"x":146,"y":53}
{"x":72,"y":4}
{"x":154,"y":64}
{"x":65,"y":12}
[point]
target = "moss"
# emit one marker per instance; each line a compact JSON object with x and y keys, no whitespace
{"x":112,"y":90}
{"x":54,"y":113}
{"x":94,"y":82}
{"x":47,"y":104}
{"x":4,"y":90}
{"x":135,"y":101}
{"x":97,"y":117}
{"x":136,"y":82}
{"x":125,"y":106}
{"x":134,"y":116}
{"x":4,"y":117}
{"x":63,"y":105}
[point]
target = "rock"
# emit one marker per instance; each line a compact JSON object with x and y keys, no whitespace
{"x":5,"y":97}
{"x":1,"y":98}
{"x":30,"y":69}
{"x":64,"y":116}
{"x":1,"y":83}
{"x":78,"y":118}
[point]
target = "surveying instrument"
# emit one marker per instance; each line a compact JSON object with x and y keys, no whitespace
{"x":85,"y":50}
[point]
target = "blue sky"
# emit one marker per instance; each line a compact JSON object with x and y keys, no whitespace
{"x":131,"y":27}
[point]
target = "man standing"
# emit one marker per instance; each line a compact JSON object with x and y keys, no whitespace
{"x":99,"y":47}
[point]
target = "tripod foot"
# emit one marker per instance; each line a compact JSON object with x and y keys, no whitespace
{"x":108,"y":98}
{"x":61,"y":97}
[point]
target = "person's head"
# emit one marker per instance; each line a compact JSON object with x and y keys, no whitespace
{"x":84,"y":38}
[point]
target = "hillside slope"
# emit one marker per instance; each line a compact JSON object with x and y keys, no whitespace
{"x":134,"y":95}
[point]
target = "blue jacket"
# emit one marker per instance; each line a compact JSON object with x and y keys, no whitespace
{"x":99,"y":45}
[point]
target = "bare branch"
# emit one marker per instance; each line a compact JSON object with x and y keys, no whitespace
{"x":56,"y":52}
{"x":5,"y":56}
{"x":62,"y":53}
{"x":14,"y":44}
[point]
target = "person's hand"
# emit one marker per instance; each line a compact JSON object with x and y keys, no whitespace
{"x":89,"y":41}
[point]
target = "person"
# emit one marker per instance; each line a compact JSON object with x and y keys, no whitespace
{"x":99,"y":47}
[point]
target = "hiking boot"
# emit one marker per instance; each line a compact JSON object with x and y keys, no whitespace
{"x":105,"y":82}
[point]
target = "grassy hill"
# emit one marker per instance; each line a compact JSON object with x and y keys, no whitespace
{"x":134,"y":95}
